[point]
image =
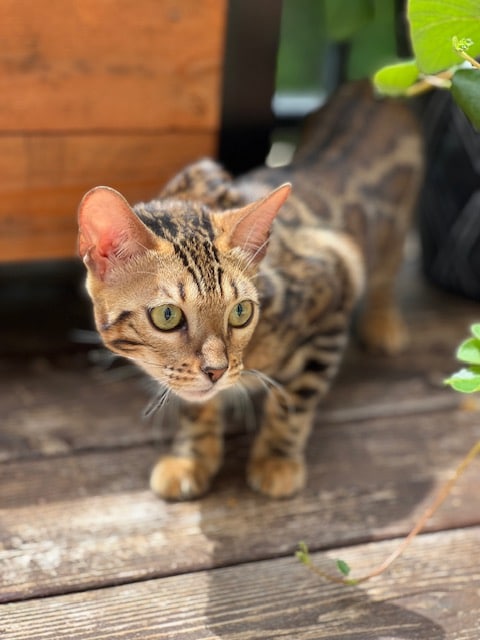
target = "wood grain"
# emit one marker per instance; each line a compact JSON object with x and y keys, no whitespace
{"x":44,"y":178}
{"x":90,"y":66}
{"x":278,"y":599}
{"x":76,"y":522}
{"x":91,"y":93}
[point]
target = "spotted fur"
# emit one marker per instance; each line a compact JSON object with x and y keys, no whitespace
{"x":202,"y":245}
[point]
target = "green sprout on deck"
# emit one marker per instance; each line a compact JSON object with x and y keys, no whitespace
{"x":303,"y":555}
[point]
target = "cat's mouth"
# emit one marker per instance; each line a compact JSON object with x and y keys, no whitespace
{"x":194,"y":395}
{"x":202,"y":394}
{"x":197,"y":395}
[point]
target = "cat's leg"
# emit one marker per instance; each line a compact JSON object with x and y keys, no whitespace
{"x":277,"y":462}
{"x":277,"y":465}
{"x":196,"y":454}
{"x":381,"y":327}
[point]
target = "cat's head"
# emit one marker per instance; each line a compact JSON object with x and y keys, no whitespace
{"x":172,"y":284}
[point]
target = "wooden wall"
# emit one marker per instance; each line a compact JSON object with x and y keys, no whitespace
{"x":99,"y":92}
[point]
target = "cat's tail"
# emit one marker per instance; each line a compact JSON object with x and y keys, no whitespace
{"x":351,"y":115}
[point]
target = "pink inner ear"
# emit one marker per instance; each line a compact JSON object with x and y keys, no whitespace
{"x":252,"y":227}
{"x":110,"y":232}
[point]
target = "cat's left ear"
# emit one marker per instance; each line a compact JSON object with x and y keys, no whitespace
{"x":109,"y":231}
{"x":249,"y":227}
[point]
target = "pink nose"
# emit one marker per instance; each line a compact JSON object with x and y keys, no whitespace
{"x":214,"y":373}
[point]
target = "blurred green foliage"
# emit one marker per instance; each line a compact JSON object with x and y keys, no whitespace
{"x":445,"y":37}
{"x":310,"y":27}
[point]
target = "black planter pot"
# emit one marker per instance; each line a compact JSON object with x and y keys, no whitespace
{"x":449,"y":207}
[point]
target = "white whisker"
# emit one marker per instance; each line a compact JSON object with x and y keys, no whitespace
{"x":238,"y":397}
{"x":146,"y":273}
{"x":159,"y":402}
{"x":253,"y":257}
{"x":269,"y":384}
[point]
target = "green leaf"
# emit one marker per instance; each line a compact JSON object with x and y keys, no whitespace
{"x":469,"y":351}
{"x":302,"y":553}
{"x":466,"y":93}
{"x":434,"y":24}
{"x":344,"y":18}
{"x":343,"y":567}
{"x":395,"y":79}
{"x":465,"y":381}
{"x":475,"y":329}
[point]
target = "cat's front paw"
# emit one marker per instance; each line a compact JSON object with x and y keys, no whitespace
{"x":177,"y":478}
{"x":276,"y":477}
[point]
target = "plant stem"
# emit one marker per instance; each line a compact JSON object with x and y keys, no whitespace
{"x":427,"y":514}
{"x":441,"y":80}
{"x":469,"y":59}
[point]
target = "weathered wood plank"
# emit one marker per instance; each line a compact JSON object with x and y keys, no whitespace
{"x":50,"y":410}
{"x":45,"y":176}
{"x":78,"y":522}
{"x":432,"y":592}
{"x":85,"y":65}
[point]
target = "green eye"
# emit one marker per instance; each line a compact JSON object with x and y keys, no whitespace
{"x":167,"y":317}
{"x":241,"y":314}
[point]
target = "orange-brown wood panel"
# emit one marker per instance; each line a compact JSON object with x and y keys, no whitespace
{"x":114,"y":64}
{"x":93,"y":92}
{"x":44,"y":177}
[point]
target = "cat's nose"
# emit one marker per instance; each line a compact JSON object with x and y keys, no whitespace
{"x":214,"y":373}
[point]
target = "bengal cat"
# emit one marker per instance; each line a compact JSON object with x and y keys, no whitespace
{"x":220,"y":283}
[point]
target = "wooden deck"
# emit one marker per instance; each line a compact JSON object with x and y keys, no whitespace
{"x":86,"y":551}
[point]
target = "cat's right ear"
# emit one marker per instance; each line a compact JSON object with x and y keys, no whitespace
{"x":109,"y":231}
{"x":249,"y":227}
